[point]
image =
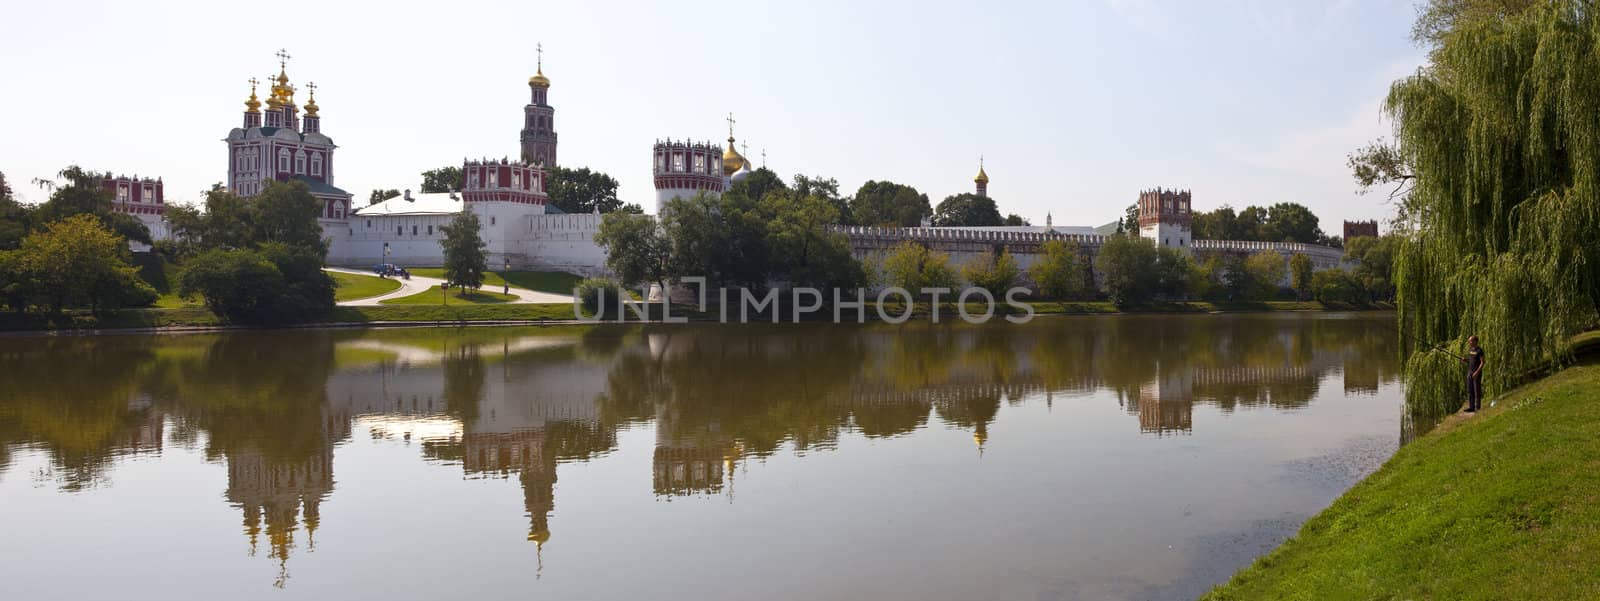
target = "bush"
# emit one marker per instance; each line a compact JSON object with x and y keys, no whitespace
{"x":240,"y":286}
{"x":1059,"y":270}
{"x":1337,"y":286}
{"x":589,"y":293}
{"x":1127,"y":265}
{"x":913,"y":267}
{"x":990,"y":272}
{"x":1264,"y":275}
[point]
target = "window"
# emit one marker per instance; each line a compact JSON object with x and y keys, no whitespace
{"x":283,"y":161}
{"x":369,"y":224}
{"x":399,"y":231}
{"x":516,"y":179}
{"x":494,"y":177}
{"x":300,"y":162}
{"x":699,"y":163}
{"x":677,"y":162}
{"x":491,"y":220}
{"x":430,"y":230}
{"x":413,"y":230}
{"x":316,"y":164}
{"x":716,"y":164}
{"x":661,"y":162}
{"x":122,"y":193}
{"x":473,"y":178}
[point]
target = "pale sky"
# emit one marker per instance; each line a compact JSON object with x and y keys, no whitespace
{"x":1075,"y":105}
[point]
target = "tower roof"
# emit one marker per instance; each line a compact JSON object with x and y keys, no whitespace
{"x":539,"y":80}
{"x":983,"y":178}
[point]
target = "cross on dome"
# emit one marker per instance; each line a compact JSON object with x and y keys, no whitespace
{"x":283,"y":58}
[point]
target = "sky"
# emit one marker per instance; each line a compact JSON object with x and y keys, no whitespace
{"x":1075,"y":106}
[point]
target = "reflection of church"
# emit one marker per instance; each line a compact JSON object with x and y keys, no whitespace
{"x":277,"y":494}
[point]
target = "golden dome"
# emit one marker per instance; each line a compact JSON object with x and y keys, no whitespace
{"x":539,"y":80}
{"x":311,"y":100}
{"x":252,"y":105}
{"x":983,"y":178}
{"x":732,"y":161}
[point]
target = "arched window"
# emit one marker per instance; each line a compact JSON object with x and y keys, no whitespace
{"x":316,"y":163}
{"x":494,"y":177}
{"x":283,"y":160}
{"x":472,"y":178}
{"x":677,"y":162}
{"x":300,"y":162}
{"x":516,"y":179}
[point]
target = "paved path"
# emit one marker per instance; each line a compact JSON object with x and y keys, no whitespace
{"x":418,"y":284}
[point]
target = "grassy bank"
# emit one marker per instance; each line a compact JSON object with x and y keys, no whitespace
{"x":1502,"y":505}
{"x":349,"y":286}
{"x":434,"y":296}
{"x":554,"y":282}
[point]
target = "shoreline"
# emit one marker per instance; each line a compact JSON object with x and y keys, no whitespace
{"x":198,"y":320}
{"x":1483,"y":506}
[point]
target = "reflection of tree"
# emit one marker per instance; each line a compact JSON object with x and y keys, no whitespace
{"x":79,"y":398}
{"x":464,"y":380}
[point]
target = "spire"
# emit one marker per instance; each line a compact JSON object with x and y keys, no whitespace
{"x":311,"y":100}
{"x":252,"y":105}
{"x":731,"y":159}
{"x":539,"y":80}
{"x":281,"y":89}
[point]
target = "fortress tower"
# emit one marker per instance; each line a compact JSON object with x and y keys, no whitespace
{"x":683,"y":169}
{"x":538,"y":121}
{"x":1164,"y":217}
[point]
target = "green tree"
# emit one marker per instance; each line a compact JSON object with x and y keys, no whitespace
{"x":225,"y":248}
{"x":443,"y":179}
{"x":1129,"y":223}
{"x":1217,"y":224}
{"x":1174,"y":273}
{"x":637,"y":251}
{"x":1291,"y":222}
{"x":1059,"y":270}
{"x":378,"y":196}
{"x":239,"y":285}
{"x":1374,"y":264}
{"x":77,"y":262}
{"x":1379,"y":163}
{"x":804,"y":251}
{"x":1336,"y":286}
{"x":80,"y":192}
{"x":1014,"y":219}
{"x":759,"y":184}
{"x":827,"y":188}
{"x":966,"y":210}
{"x":1498,"y":132}
{"x":1251,"y":224}
{"x":581,"y":190}
{"x":1266,"y":271}
{"x":889,"y":204}
{"x":14,"y":218}
{"x":1126,"y":263}
{"x":993,"y":272}
{"x":913,"y":266}
{"x":1300,"y":270}
{"x":464,"y":260}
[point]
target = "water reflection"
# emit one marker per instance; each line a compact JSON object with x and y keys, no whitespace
{"x":517,"y":403}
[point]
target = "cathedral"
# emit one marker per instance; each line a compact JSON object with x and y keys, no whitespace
{"x":520,"y":228}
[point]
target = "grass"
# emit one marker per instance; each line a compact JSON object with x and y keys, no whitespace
{"x":433,"y":296}
{"x":436,"y":312}
{"x":554,"y":282}
{"x":349,"y":286}
{"x":1503,"y":505}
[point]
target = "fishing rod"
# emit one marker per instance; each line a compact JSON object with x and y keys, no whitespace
{"x":1431,"y":347}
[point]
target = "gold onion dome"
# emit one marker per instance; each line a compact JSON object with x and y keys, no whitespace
{"x":311,"y":103}
{"x":983,"y":178}
{"x":731,"y":159}
{"x":539,"y":80}
{"x":252,"y":105}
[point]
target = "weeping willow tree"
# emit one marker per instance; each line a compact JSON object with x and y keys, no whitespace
{"x":1501,"y":131}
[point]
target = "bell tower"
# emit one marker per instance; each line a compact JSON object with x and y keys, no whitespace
{"x":538,"y":120}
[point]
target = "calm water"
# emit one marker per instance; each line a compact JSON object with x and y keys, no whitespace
{"x":1076,"y":458}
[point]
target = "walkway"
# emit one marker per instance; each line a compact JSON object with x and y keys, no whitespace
{"x":418,"y":284}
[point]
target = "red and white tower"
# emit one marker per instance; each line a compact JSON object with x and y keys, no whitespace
{"x":538,"y":121}
{"x":684,"y":169}
{"x":1165,"y":218}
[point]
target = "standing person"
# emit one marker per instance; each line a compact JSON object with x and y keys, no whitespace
{"x":1475,"y":362}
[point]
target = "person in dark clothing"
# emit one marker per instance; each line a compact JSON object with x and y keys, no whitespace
{"x":1475,"y":362}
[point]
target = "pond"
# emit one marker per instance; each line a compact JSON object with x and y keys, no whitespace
{"x":1120,"y":457}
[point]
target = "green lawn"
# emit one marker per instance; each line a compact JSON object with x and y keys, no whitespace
{"x":433,"y":296}
{"x":1503,"y":505}
{"x":349,"y":286}
{"x":554,"y":282}
{"x":454,"y":312}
